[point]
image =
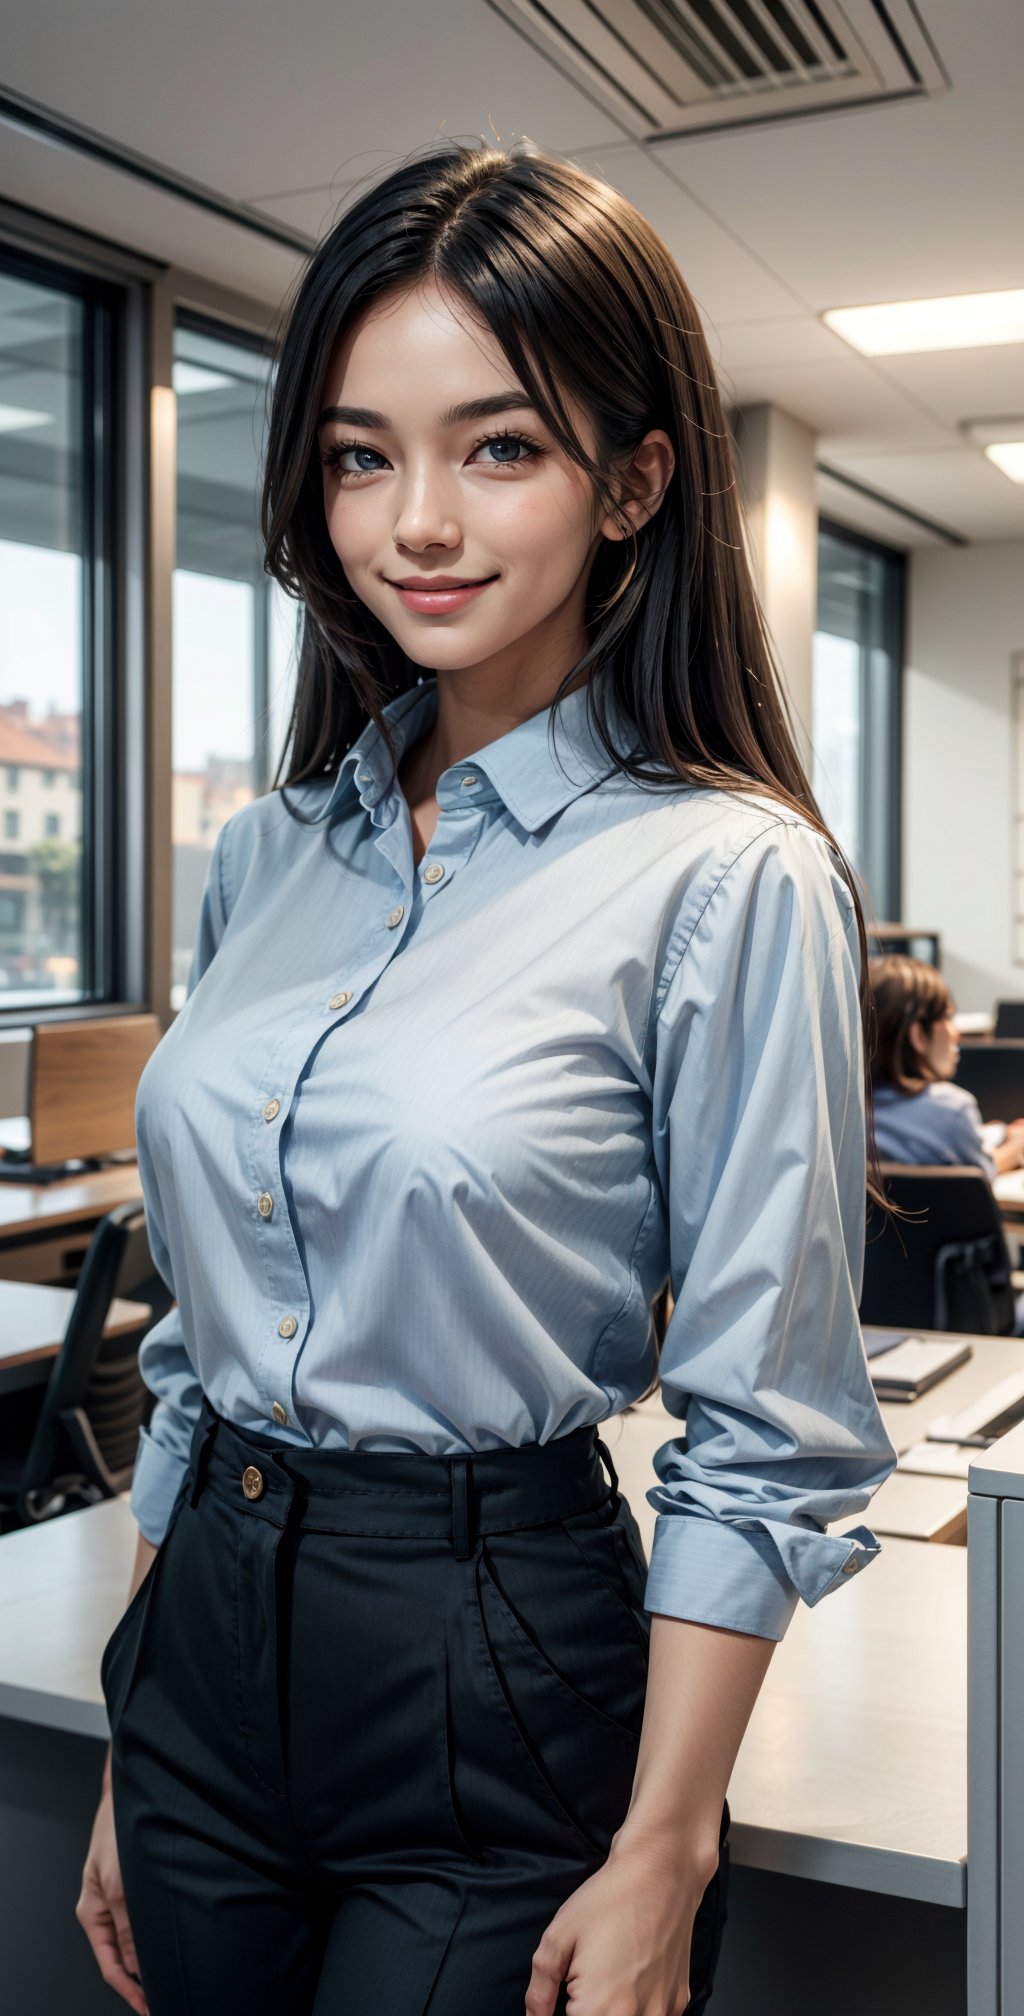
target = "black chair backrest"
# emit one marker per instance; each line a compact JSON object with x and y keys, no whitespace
{"x":994,"y":1072}
{"x":946,"y":1265}
{"x":1009,"y":1020}
{"x":88,"y":1425}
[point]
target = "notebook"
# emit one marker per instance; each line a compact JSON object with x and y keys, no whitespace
{"x":913,"y":1364}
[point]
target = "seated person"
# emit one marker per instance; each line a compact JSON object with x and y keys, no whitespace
{"x":920,"y":1115}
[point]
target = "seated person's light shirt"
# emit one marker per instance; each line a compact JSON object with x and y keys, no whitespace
{"x":941,"y":1123}
{"x":423,"y":1143}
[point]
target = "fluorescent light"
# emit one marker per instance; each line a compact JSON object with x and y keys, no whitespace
{"x":949,"y":322}
{"x":1009,"y":457}
{"x":1003,"y":443}
{"x":188,"y":378}
{"x":14,"y":418}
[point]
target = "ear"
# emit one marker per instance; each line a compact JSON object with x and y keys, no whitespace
{"x":917,"y":1039}
{"x":642,"y":485}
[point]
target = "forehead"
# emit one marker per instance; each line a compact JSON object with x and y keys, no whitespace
{"x":411,"y":340}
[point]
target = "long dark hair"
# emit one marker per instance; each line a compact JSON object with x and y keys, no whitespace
{"x":585,"y":301}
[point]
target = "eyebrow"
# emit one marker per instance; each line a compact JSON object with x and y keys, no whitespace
{"x":456,"y":416}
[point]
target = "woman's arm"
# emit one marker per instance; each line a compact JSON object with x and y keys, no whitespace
{"x":145,"y":1555}
{"x":622,"y":1941}
{"x":101,"y":1910}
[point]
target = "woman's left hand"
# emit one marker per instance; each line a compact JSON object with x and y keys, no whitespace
{"x":621,"y":1942}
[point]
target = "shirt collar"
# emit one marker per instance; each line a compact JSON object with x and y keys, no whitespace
{"x":535,"y":769}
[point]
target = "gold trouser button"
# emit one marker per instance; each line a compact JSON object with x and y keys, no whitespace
{"x":252,"y":1481}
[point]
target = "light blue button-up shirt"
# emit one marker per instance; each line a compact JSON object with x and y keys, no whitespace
{"x":424,"y":1142}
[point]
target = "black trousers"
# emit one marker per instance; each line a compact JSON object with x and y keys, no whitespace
{"x":374,"y":1717}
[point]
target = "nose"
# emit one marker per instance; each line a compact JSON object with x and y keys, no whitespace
{"x":425,"y":513}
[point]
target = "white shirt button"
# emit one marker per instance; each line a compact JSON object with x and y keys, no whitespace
{"x":280,"y":1414}
{"x":287,"y":1326}
{"x":264,"y":1204}
{"x":434,"y":872}
{"x":395,"y":916}
{"x":365,"y":777}
{"x":271,"y":1109}
{"x":468,"y":783}
{"x":340,"y":1000}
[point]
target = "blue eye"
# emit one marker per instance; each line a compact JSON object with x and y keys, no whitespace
{"x":509,"y":449}
{"x":367,"y":460}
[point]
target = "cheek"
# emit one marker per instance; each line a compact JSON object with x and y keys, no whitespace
{"x":351,"y":531}
{"x":547,"y":529}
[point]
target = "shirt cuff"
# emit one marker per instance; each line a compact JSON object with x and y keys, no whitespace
{"x":156,"y":1481}
{"x":744,"y":1578}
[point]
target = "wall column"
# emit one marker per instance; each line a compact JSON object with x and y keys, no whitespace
{"x":776,"y":457}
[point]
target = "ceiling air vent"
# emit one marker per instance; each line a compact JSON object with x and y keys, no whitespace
{"x":669,"y":67}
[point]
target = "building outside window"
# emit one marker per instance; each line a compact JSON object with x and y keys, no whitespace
{"x":856,"y":707}
{"x":55,"y":428}
{"x":233,"y":643}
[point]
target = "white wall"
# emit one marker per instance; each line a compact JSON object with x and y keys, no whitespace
{"x":966,"y":622}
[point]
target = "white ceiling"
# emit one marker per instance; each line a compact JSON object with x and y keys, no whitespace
{"x":286,"y":109}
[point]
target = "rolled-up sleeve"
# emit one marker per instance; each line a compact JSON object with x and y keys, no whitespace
{"x":759,"y":1145}
{"x":163,"y":1451}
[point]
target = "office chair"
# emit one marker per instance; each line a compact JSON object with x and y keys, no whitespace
{"x":1009,"y":1019}
{"x":82,"y":1444}
{"x":946,"y":1265}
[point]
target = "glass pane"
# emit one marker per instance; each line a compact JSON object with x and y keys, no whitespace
{"x":41,"y":637}
{"x":224,"y":653}
{"x":854,"y":714}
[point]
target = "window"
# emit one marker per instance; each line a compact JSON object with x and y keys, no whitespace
{"x":233,"y":658}
{"x":57,"y":330}
{"x":856,"y":706}
{"x":52,"y":825}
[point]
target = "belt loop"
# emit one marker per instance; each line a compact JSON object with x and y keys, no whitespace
{"x":603,"y":1450}
{"x":200,"y":1452}
{"x":460,"y":1507}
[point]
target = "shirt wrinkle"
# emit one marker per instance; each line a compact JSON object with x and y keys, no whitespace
{"x":423,"y":1144}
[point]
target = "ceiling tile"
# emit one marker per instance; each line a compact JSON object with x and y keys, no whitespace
{"x":845,"y":400}
{"x":790,"y":339}
{"x":246,"y":97}
{"x":728,"y":282}
{"x":129,"y":213}
{"x":883,"y":205}
{"x":958,"y":488}
{"x":964,"y":384}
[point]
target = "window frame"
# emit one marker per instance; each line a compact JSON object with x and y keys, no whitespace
{"x":111,"y":285}
{"x":882,"y":726}
{"x":126,"y":743}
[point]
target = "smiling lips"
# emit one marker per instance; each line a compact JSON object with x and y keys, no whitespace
{"x":438,"y":594}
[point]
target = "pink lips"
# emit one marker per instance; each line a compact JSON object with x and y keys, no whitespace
{"x":437,"y":596}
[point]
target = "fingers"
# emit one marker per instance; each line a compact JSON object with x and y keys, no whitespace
{"x":550,"y":1966}
{"x":109,"y":1935}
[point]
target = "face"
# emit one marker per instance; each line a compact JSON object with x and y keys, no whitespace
{"x":938,"y":1043}
{"x":457,"y":518}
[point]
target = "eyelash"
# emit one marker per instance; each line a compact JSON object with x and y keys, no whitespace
{"x":331,"y":457}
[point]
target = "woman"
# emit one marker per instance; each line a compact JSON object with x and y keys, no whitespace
{"x":534,"y":984}
{"x":920,"y":1115}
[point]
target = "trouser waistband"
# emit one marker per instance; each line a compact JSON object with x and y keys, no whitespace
{"x":398,"y":1495}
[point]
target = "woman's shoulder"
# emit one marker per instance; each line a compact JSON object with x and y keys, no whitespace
{"x":951,"y":1098}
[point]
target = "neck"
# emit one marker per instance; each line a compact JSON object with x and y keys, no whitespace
{"x":475,"y":707}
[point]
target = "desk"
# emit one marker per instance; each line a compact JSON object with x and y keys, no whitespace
{"x":906,"y":1505}
{"x":849,"y":1795}
{"x":45,"y":1228}
{"x":33,"y":1321}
